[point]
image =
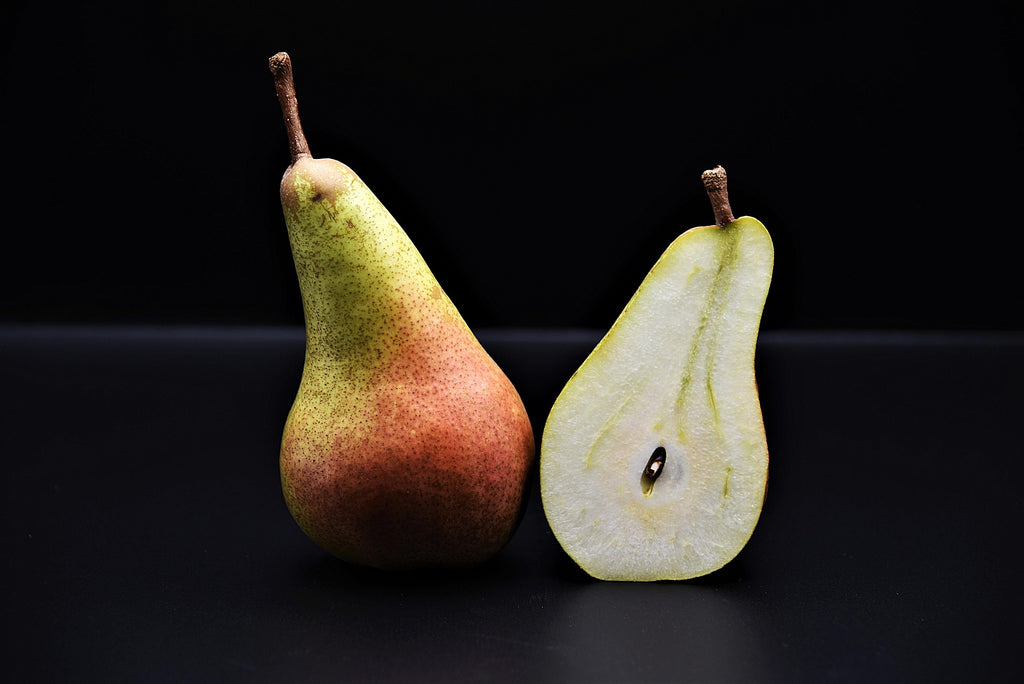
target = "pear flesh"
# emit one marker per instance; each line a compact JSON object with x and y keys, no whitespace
{"x":654,"y":462}
{"x":406,"y":445}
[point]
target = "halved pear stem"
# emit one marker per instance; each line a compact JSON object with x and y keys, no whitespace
{"x":281,"y":68}
{"x":718,"y":192}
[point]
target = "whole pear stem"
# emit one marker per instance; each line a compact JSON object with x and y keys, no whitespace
{"x":718,"y":192}
{"x":281,"y":68}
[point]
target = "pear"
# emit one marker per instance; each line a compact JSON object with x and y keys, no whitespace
{"x":654,"y":461}
{"x":406,"y":445}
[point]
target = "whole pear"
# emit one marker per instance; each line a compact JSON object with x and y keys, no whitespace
{"x":406,"y":445}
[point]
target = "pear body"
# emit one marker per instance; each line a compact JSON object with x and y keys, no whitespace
{"x":654,"y":461}
{"x":406,"y":445}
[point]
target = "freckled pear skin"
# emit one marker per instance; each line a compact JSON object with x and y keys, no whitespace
{"x":406,"y":445}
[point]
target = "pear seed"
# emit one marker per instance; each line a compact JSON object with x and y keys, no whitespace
{"x":655,"y":464}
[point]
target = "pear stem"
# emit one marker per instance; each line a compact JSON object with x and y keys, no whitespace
{"x":718,"y":192}
{"x":281,"y":68}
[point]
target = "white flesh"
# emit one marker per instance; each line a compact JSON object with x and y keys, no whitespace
{"x":677,"y":371}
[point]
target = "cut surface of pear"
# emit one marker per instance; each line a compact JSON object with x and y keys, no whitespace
{"x":653,"y":460}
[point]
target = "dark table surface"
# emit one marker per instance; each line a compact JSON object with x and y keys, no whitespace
{"x":146,"y":538}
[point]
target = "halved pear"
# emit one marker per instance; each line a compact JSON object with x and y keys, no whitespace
{"x":654,"y":461}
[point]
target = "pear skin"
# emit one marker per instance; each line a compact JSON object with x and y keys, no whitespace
{"x":406,"y":445}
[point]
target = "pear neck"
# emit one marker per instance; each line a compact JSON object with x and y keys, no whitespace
{"x":366,"y":291}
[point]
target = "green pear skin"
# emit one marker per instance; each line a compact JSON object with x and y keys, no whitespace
{"x":654,"y":462}
{"x":406,"y":445}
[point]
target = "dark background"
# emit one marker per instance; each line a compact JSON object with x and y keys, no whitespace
{"x":540,"y":155}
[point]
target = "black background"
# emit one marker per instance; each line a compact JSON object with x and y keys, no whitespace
{"x":541,"y":155}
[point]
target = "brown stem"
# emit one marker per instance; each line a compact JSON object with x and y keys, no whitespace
{"x":718,"y":192}
{"x":281,"y":68}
